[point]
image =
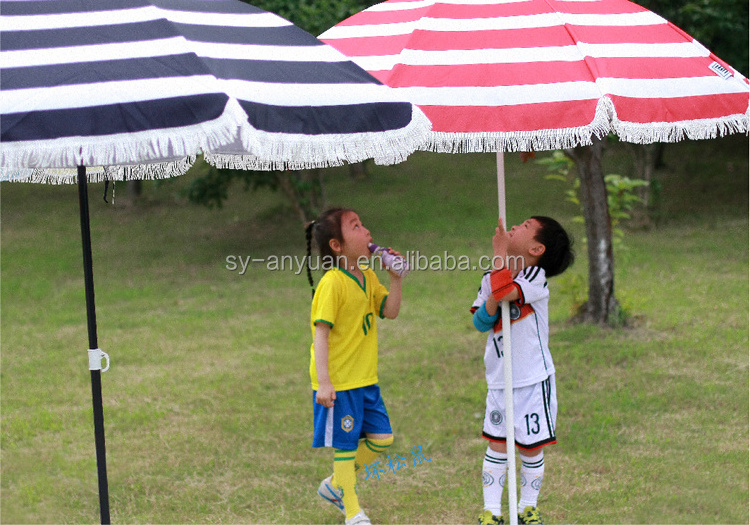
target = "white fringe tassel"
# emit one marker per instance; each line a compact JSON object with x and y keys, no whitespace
{"x":279,"y":151}
{"x":158,"y":147}
{"x":605,"y":121}
{"x":640,"y":133}
{"x":96,"y":174}
{"x":538,"y":140}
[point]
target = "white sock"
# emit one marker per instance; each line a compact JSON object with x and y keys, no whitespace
{"x":494,"y":467}
{"x":532,"y":473}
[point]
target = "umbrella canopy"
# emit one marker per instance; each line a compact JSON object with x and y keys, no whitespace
{"x":131,"y":81}
{"x":545,"y":74}
{"x":144,"y":86}
{"x":509,"y":75}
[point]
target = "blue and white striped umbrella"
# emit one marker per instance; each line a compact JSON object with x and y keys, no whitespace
{"x":126,"y":89}
{"x":128,"y":82}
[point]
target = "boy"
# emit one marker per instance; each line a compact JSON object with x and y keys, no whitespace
{"x":524,"y":258}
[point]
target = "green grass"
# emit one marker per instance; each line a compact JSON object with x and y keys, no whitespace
{"x":207,"y":404}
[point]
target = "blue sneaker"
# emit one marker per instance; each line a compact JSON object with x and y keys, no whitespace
{"x":331,"y":494}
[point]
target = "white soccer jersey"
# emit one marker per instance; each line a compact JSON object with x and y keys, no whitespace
{"x":529,"y":324}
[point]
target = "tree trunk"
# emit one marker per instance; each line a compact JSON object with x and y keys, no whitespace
{"x":134,"y":189}
{"x":305,"y":190}
{"x":645,"y":161}
{"x":323,"y":193}
{"x":602,"y":306}
{"x":358,"y":170}
{"x":291,"y":193}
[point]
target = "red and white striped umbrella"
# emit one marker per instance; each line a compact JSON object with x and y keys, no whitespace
{"x":508,"y":75}
{"x":520,"y":75}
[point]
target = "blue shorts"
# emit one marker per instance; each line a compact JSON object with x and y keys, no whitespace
{"x":354,"y":414}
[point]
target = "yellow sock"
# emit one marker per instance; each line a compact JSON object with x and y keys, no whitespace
{"x":345,"y":479}
{"x":369,"y":450}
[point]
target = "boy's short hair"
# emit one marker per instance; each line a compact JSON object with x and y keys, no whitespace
{"x":558,"y":253}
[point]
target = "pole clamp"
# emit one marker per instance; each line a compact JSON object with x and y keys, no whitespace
{"x":95,"y":359}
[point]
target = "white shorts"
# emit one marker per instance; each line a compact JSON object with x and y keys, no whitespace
{"x":535,"y":412}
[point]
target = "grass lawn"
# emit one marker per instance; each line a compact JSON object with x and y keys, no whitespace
{"x":207,"y":404}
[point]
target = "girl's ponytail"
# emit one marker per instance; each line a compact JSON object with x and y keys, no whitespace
{"x":326,"y":227}
{"x":308,"y":236}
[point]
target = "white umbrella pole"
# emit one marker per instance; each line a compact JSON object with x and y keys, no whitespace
{"x":510,"y":433}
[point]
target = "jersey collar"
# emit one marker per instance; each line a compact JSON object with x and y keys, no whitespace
{"x":362,"y":286}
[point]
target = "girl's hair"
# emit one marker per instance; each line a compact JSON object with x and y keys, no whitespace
{"x":558,"y":253}
{"x":326,"y":227}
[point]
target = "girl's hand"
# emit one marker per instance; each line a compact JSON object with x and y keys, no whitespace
{"x":325,"y":395}
{"x":500,"y":245}
{"x":391,"y":271}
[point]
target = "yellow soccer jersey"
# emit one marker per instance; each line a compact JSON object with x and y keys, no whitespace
{"x":351,"y":311}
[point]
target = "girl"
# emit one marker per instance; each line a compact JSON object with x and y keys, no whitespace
{"x":349,"y":414}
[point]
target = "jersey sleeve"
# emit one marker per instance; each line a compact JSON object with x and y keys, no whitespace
{"x":326,"y":302}
{"x":532,"y":284}
{"x":483,"y":293}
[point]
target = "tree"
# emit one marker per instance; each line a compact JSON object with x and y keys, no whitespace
{"x":602,"y":306}
{"x":314,"y":16}
{"x":720,"y":25}
{"x":303,"y":189}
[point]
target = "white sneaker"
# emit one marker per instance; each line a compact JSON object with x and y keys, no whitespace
{"x":360,"y":518}
{"x":331,"y":494}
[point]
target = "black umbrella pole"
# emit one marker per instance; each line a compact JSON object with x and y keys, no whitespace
{"x":96,"y":375}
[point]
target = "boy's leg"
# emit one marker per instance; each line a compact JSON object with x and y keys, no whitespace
{"x":532,"y":474}
{"x":536,"y":417}
{"x":494,"y":466}
{"x":535,"y":414}
{"x":494,"y":469}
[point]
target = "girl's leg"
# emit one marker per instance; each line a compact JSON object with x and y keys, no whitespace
{"x":370,"y":448}
{"x":376,"y":428}
{"x":347,"y":463}
{"x":345,"y":479}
